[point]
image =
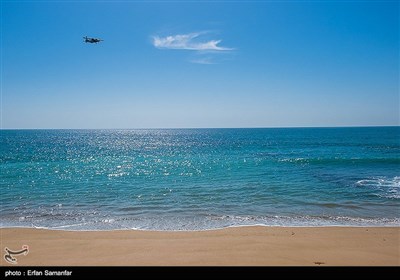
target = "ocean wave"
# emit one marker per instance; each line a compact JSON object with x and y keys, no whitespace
{"x":339,"y":160}
{"x":383,"y":187}
{"x":206,"y":222}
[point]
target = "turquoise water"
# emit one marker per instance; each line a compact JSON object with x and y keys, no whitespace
{"x":199,"y":178}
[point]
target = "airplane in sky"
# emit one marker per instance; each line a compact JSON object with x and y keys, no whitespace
{"x":92,"y":40}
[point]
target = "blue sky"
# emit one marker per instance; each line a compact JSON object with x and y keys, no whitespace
{"x":199,"y":64}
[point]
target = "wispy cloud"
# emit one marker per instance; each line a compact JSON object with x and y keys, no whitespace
{"x":188,"y":42}
{"x":204,"y":60}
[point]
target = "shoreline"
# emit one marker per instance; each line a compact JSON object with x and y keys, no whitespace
{"x":239,"y":245}
{"x":197,"y":230}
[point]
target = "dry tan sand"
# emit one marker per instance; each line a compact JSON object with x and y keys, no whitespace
{"x":263,"y":246}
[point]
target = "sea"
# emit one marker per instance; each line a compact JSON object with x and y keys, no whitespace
{"x":199,"y":179}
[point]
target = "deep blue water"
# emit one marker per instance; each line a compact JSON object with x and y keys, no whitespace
{"x":200,"y":178}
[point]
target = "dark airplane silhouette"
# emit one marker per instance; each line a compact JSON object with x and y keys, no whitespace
{"x":92,"y":40}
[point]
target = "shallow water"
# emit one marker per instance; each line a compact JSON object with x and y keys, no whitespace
{"x":189,"y":179}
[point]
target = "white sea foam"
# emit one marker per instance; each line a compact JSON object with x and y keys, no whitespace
{"x":207,"y":222}
{"x":384,"y":187}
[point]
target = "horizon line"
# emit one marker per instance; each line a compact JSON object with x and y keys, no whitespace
{"x":172,"y":128}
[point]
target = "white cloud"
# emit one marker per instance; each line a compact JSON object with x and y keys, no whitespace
{"x":205,"y":60}
{"x":187,"y":42}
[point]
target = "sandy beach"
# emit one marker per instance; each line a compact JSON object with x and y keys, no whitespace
{"x":259,"y":246}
